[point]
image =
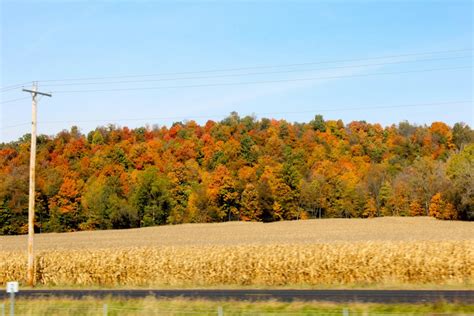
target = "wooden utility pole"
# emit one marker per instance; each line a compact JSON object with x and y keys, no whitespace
{"x":31,"y":197}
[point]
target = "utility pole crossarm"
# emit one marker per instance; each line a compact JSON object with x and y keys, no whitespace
{"x":37,"y":92}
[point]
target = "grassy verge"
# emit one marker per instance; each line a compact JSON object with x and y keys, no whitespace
{"x":152,"y":306}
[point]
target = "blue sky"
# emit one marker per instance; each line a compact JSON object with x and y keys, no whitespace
{"x":42,"y":40}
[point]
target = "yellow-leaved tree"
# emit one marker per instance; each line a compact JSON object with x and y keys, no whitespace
{"x":441,"y":209}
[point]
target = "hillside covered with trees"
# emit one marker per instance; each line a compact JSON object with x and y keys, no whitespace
{"x":238,"y":169}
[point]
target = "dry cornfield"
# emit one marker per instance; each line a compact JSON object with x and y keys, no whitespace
{"x":262,"y":265}
{"x":240,"y":260}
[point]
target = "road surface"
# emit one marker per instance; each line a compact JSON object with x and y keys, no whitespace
{"x":340,"y":296}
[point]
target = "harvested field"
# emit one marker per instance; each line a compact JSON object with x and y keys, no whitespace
{"x":334,"y":252}
{"x":245,"y":233}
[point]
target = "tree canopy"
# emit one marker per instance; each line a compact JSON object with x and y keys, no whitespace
{"x":238,"y":169}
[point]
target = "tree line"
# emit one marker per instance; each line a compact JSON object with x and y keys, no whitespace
{"x":239,"y":168}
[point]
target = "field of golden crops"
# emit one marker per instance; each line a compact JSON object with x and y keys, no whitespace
{"x":336,"y":252}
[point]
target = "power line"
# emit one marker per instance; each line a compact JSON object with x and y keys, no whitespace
{"x":13,"y":100}
{"x":251,"y":73}
{"x":358,"y":108}
{"x":12,"y":87}
{"x":16,"y":125}
{"x":258,"y":67}
{"x":277,"y":113}
{"x":259,"y":82}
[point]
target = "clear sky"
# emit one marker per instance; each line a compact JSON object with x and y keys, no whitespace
{"x":44,"y":40}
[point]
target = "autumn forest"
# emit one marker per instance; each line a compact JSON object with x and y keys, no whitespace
{"x":239,"y":168}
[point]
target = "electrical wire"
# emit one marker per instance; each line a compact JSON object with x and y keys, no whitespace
{"x":258,"y":67}
{"x":258,"y":82}
{"x":249,"y":74}
{"x":12,"y":126}
{"x":15,"y":86}
{"x":12,"y":87}
{"x":14,"y":100}
{"x":358,"y":108}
